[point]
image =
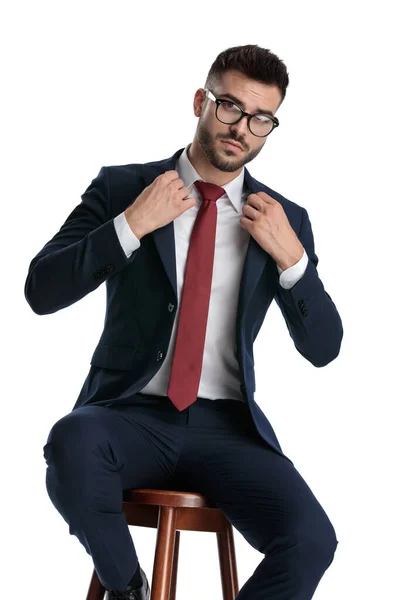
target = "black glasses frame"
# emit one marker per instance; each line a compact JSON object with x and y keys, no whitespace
{"x":218,"y":101}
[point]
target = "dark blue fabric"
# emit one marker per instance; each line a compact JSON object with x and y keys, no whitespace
{"x":142,"y":292}
{"x":116,"y":438}
{"x":212,"y":447}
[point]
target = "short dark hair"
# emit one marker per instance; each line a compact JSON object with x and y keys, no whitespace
{"x":254,"y":62}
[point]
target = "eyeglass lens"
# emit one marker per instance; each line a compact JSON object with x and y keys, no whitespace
{"x":228,"y":113}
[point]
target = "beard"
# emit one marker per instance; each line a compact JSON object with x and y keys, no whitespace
{"x":217,"y":157}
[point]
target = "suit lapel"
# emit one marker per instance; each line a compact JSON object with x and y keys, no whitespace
{"x":164,"y":238}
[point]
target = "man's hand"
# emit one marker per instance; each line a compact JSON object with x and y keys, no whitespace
{"x":266,"y":221}
{"x":159,"y":203}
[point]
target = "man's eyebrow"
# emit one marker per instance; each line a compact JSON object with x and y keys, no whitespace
{"x":257,"y":110}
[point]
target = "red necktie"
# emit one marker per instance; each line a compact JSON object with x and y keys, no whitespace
{"x":189,"y":348}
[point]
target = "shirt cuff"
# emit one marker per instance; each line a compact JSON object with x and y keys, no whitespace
{"x":291,"y":275}
{"x":127,"y":238}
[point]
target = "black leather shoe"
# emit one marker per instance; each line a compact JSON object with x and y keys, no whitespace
{"x":131,"y":593}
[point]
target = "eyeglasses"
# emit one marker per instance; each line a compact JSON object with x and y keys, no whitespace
{"x":228,"y":112}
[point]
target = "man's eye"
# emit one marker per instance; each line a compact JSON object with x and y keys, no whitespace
{"x":230,"y":106}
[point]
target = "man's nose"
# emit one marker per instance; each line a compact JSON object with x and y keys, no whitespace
{"x":240,"y":129}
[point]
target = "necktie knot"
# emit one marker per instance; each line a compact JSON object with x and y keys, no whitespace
{"x":209,"y":191}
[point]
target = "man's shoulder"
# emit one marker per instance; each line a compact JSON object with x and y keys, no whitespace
{"x":130,"y":169}
{"x":128,"y":180}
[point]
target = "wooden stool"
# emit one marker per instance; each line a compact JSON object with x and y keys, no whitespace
{"x":169,"y":512}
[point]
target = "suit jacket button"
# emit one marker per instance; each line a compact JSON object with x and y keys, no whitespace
{"x":171,"y":307}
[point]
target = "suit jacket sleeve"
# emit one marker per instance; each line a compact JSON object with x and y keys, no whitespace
{"x":80,"y":256}
{"x":310,"y":314}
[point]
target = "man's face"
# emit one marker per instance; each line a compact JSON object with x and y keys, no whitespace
{"x":210,"y":131}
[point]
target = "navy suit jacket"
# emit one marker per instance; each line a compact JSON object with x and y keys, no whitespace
{"x":142,"y":289}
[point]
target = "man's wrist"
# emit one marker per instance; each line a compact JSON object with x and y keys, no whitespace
{"x":134,"y":225}
{"x":290,"y":260}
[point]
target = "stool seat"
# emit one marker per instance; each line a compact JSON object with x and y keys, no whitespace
{"x":169,"y":512}
{"x":167,"y":498}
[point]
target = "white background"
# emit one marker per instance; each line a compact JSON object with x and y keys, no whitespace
{"x":78,"y":79}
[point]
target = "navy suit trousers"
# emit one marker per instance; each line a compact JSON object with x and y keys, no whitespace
{"x":212,"y":447}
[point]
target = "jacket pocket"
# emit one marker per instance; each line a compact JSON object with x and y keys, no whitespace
{"x":115,"y":357}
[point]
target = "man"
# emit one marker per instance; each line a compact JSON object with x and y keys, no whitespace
{"x":193,"y":250}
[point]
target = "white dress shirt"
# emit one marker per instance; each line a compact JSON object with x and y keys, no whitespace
{"x":220,"y":375}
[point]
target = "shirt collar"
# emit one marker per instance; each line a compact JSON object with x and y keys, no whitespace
{"x":189,"y":175}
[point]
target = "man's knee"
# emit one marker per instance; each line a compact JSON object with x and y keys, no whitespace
{"x":76,"y":430}
{"x":321,"y":542}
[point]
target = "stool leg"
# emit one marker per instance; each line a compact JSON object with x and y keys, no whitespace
{"x":227,"y":563}
{"x":172,"y":595}
{"x":96,"y":591}
{"x":163,"y":561}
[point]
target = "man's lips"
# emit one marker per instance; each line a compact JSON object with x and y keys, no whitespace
{"x":230,"y":142}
